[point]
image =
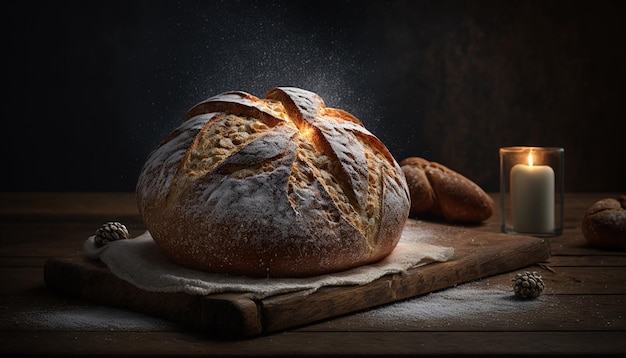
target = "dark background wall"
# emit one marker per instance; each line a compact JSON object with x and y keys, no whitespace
{"x":92,"y":87}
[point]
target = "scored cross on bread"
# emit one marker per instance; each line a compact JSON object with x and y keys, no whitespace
{"x":281,"y":186}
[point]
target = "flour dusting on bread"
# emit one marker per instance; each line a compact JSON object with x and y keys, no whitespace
{"x":282,"y":186}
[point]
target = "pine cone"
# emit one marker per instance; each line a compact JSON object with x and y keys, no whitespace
{"x":110,"y":231}
{"x":528,"y":285}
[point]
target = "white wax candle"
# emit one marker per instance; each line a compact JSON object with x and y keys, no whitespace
{"x":532,"y":198}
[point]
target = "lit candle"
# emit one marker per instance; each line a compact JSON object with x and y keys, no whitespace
{"x":532,"y":197}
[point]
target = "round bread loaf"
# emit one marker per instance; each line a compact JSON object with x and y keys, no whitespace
{"x":437,"y":190}
{"x":281,"y":187}
{"x":604,"y":224}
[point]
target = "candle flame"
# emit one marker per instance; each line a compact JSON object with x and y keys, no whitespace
{"x":530,"y":158}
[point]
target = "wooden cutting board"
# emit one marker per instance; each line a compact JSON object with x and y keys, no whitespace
{"x":478,"y":254}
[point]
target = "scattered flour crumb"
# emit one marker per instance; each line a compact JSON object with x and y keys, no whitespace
{"x":471,"y":303}
{"x":90,"y":318}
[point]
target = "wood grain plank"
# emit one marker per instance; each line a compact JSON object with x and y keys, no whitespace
{"x":218,"y":315}
{"x":572,"y":280}
{"x":469,"y":263}
{"x":477,"y":255}
{"x":583,"y":313}
{"x":486,"y":309}
{"x":587,"y":261}
{"x":21,"y":281}
{"x":52,"y":238}
{"x":479,"y":308}
{"x":62,"y":205}
{"x":571,"y":344}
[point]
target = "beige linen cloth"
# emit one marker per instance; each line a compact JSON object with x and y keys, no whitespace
{"x":140,"y":262}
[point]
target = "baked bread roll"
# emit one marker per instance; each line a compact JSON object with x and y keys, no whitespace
{"x":441,"y":192}
{"x":604,"y":223}
{"x":281,"y":186}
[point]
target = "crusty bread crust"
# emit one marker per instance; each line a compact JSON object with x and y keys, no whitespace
{"x":281,"y":186}
{"x":604,"y":223}
{"x":437,"y":190}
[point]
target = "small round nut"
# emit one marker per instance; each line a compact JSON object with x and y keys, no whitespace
{"x":528,"y":285}
{"x":110,"y":231}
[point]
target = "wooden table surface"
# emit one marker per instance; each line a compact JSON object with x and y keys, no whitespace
{"x":582,"y":311}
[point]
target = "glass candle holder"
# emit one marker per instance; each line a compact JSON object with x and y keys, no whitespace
{"x":531,"y":190}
